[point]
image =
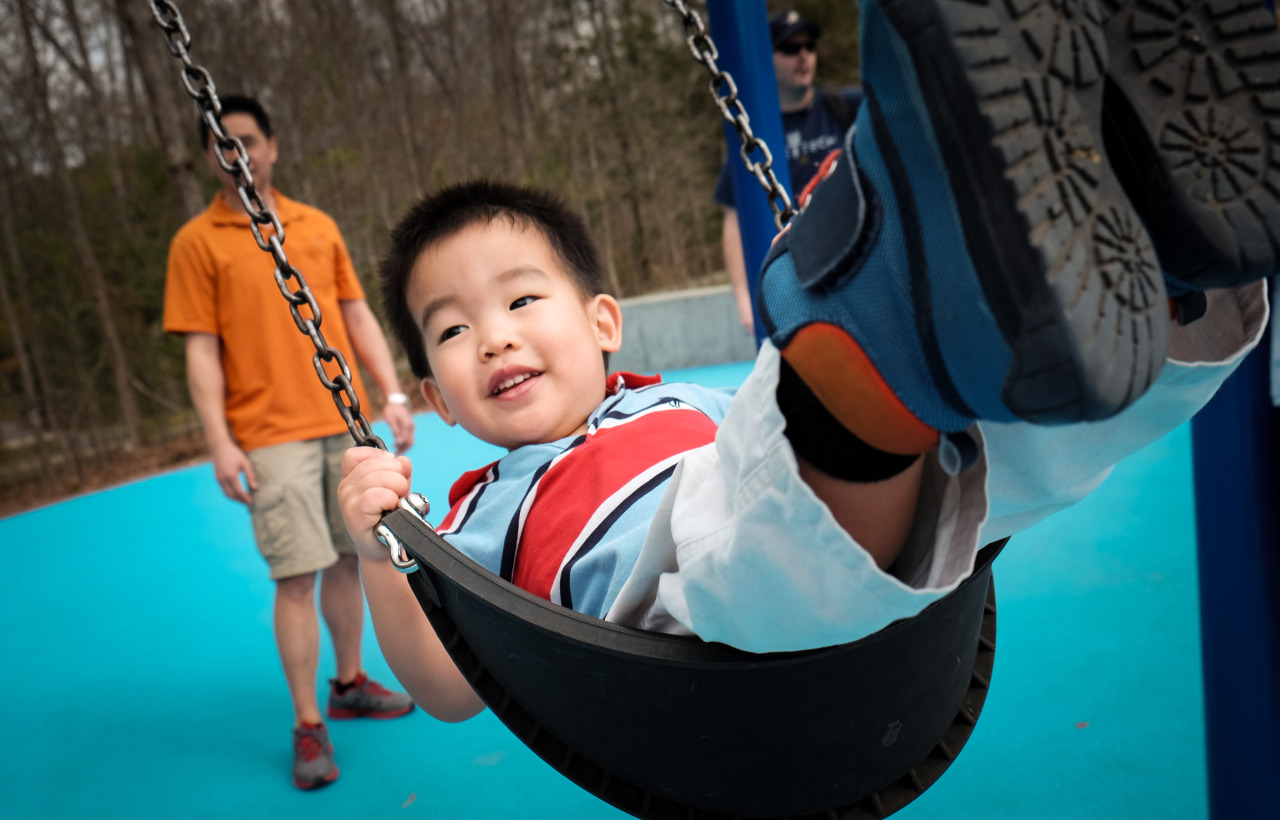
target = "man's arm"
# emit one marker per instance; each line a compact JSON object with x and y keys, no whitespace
{"x":372,"y":351}
{"x":207,"y":383}
{"x":374,"y":481}
{"x":737,"y":268}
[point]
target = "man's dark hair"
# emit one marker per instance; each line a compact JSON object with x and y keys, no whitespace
{"x":235,"y":104}
{"x":446,"y":212}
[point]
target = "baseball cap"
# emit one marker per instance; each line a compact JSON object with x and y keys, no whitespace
{"x":787,"y":24}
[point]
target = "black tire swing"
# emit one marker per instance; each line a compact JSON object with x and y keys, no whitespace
{"x":663,"y":726}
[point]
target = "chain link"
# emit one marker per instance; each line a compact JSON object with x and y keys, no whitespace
{"x":199,"y":84}
{"x":705,"y":53}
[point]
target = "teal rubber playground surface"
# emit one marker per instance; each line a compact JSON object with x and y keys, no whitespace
{"x":141,"y":678}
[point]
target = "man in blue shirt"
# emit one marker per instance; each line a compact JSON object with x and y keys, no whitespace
{"x":813,"y":120}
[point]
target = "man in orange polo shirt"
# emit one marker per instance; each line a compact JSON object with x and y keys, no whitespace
{"x":274,"y":434}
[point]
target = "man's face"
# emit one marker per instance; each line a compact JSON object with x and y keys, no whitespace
{"x":515,"y":349}
{"x":794,"y":63}
{"x":262,"y":151}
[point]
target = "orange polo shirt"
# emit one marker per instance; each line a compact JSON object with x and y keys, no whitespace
{"x":220,"y":282}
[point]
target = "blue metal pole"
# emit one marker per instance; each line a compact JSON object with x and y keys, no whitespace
{"x":1236,"y":449}
{"x":740,"y":29}
{"x":1237,"y":482}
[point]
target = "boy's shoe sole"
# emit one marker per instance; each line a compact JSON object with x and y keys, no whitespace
{"x":1014,"y":94}
{"x":1193,"y":107}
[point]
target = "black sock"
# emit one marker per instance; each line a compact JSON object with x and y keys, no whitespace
{"x":341,"y":688}
{"x":818,"y":438}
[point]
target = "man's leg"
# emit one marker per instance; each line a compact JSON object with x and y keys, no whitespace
{"x":290,"y":529}
{"x":351,"y":693}
{"x":342,"y":604}
{"x":298,"y":639}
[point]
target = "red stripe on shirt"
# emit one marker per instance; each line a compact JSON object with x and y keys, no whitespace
{"x":465,"y":486}
{"x":575,"y":489}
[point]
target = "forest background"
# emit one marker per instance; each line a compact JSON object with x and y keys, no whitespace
{"x":375,"y":103}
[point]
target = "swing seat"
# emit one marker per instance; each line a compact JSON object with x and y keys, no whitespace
{"x":665,"y":726}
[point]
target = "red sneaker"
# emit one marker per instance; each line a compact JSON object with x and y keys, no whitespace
{"x":367,"y":698}
{"x":313,"y":764}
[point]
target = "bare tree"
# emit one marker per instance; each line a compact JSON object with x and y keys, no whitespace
{"x":159,"y":79}
{"x":31,"y":399}
{"x":376,"y":102}
{"x":92,"y":270}
{"x":38,"y":387}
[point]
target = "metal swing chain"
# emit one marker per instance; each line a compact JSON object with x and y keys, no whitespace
{"x":705,"y":53}
{"x":199,"y":85}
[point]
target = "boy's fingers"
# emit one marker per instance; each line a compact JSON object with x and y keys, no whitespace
{"x":378,"y":500}
{"x":358,"y":455}
{"x":378,"y":471}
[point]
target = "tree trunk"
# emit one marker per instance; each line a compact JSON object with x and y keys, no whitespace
{"x":30,"y":399}
{"x":97,"y":105}
{"x":610,"y":267}
{"x":396,"y":27}
{"x":43,"y":116}
{"x":622,"y":133}
{"x":42,"y":387}
{"x":144,"y":43}
{"x":504,"y":79}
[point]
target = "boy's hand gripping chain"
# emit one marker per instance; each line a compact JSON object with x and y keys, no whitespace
{"x":417,"y":504}
{"x":199,"y":85}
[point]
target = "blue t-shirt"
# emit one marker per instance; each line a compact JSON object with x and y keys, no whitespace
{"x":809,"y":134}
{"x":565,"y":520}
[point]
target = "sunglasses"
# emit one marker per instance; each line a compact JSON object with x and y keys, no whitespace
{"x":792,"y":49}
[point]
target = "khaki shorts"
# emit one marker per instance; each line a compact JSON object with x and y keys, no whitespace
{"x":295,"y":513}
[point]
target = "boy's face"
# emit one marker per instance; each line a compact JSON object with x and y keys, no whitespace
{"x":515,"y":349}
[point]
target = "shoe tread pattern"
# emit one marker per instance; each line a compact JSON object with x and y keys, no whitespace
{"x":1087,"y":333}
{"x":1202,"y":78}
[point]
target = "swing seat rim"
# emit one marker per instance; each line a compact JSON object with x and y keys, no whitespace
{"x":628,"y":779}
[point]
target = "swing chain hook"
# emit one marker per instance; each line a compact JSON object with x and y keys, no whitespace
{"x":415,"y":504}
{"x":705,"y":53}
{"x":200,"y":87}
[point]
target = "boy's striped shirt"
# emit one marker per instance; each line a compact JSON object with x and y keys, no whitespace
{"x":566,"y":520}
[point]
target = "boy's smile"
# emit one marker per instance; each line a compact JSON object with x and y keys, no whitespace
{"x":516,"y":350}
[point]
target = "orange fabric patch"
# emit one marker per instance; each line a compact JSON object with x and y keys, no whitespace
{"x":220,"y":282}
{"x":823,"y":170}
{"x":839,"y":373}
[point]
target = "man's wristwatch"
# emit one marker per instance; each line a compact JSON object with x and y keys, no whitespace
{"x":397,"y":398}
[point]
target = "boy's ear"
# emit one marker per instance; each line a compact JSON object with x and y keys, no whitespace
{"x":607,"y":314}
{"x":431,"y":392}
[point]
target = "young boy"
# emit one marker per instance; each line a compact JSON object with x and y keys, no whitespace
{"x":971,"y":261}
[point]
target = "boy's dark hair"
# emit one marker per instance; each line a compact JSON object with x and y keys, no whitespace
{"x":235,"y":104}
{"x":441,"y":215}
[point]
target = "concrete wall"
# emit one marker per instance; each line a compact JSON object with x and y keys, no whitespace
{"x":688,"y":328}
